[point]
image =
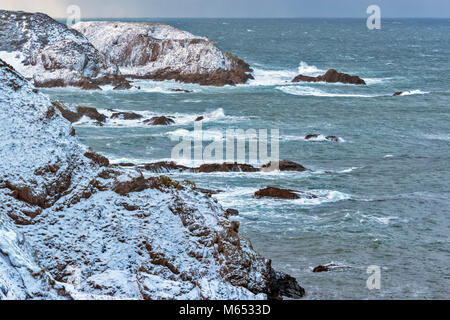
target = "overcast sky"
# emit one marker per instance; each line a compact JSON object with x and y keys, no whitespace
{"x":233,"y":8}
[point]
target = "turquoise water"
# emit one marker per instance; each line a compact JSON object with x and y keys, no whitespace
{"x":384,"y":190}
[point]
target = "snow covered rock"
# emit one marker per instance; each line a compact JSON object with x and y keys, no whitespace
{"x":160,"y":51}
{"x":50,"y":53}
{"x":73,"y":227}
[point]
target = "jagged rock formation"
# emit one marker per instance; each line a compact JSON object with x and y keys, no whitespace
{"x":159,"y":51}
{"x":331,"y":76}
{"x":272,"y":192}
{"x":73,"y":227}
{"x":52,"y":55}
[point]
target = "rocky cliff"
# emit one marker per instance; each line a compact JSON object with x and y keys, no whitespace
{"x":160,"y":51}
{"x":73,"y":227}
{"x":95,"y":53}
{"x":50,"y":54}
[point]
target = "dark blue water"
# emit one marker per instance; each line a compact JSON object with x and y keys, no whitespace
{"x":384,"y":190}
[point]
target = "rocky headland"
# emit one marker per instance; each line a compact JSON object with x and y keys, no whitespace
{"x":74,"y":227}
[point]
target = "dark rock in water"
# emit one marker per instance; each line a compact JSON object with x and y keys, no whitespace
{"x":327,"y":268}
{"x":181,"y":90}
{"x":283,"y":285}
{"x":159,"y":121}
{"x":201,"y":118}
{"x":126,"y":164}
{"x":271,"y":192}
{"x":97,"y":158}
{"x":123,"y":86}
{"x":163,"y":167}
{"x":332,"y":138}
{"x":284,"y":165}
{"x":91,"y":113}
{"x":311,"y":136}
{"x":331,"y":76}
{"x":227,"y":167}
{"x":87,"y":85}
{"x":315,"y":136}
{"x":208,"y":192}
{"x":399,"y":93}
{"x":231,"y":212}
{"x":321,"y":269}
{"x":74,"y":116}
{"x":126,"y":116}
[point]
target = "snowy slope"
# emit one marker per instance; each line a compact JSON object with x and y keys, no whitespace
{"x":49,"y":52}
{"x":72,"y":226}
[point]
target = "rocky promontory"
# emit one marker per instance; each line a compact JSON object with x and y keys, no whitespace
{"x":331,"y":76}
{"x":162,"y":52}
{"x":74,"y":227}
{"x":92,"y":54}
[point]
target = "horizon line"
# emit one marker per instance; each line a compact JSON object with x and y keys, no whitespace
{"x":255,"y":18}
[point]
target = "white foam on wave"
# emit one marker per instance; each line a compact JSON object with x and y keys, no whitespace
{"x":443,"y":137}
{"x":179,"y":118}
{"x":307,"y":70}
{"x":319,"y":138}
{"x":240,"y":195}
{"x":413,"y":92}
{"x":271,"y":77}
{"x":301,"y":90}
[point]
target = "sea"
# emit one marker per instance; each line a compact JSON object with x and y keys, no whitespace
{"x":381,"y":219}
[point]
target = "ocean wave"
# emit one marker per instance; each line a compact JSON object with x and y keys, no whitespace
{"x":413,"y":92}
{"x":239,"y":195}
{"x":300,"y":90}
{"x":443,"y":137}
{"x":271,"y":77}
{"x":180,"y":119}
{"x":308,"y":70}
{"x":319,"y":138}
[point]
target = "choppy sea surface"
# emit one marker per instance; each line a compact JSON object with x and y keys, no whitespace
{"x":383,"y":190}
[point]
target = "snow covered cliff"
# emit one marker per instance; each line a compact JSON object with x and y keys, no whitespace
{"x":160,"y":51}
{"x":49,"y":53}
{"x":74,"y":227}
{"x":52,"y":55}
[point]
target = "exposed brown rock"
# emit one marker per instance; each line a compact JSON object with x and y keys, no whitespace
{"x":331,"y":76}
{"x":123,"y":86}
{"x":163,"y":167}
{"x":80,"y":112}
{"x":126,"y":116}
{"x":181,"y":90}
{"x":97,"y":158}
{"x":283,"y":285}
{"x":227,"y":167}
{"x":315,"y":136}
{"x":321,"y":269}
{"x":271,"y":192}
{"x":231,"y":212}
{"x":88,"y":85}
{"x":284,"y":165}
{"x":399,"y":93}
{"x":159,"y":121}
{"x":201,"y":118}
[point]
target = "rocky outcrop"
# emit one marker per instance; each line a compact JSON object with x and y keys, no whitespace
{"x":226,"y":167}
{"x":331,"y":76}
{"x":321,"y":138}
{"x":160,"y":121}
{"x":272,"y":192}
{"x":75,"y":114}
{"x":74,"y":227}
{"x":162,"y":52}
{"x":284,"y":165}
{"x":164,"y":167}
{"x":126,"y":116}
{"x":52,"y":55}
